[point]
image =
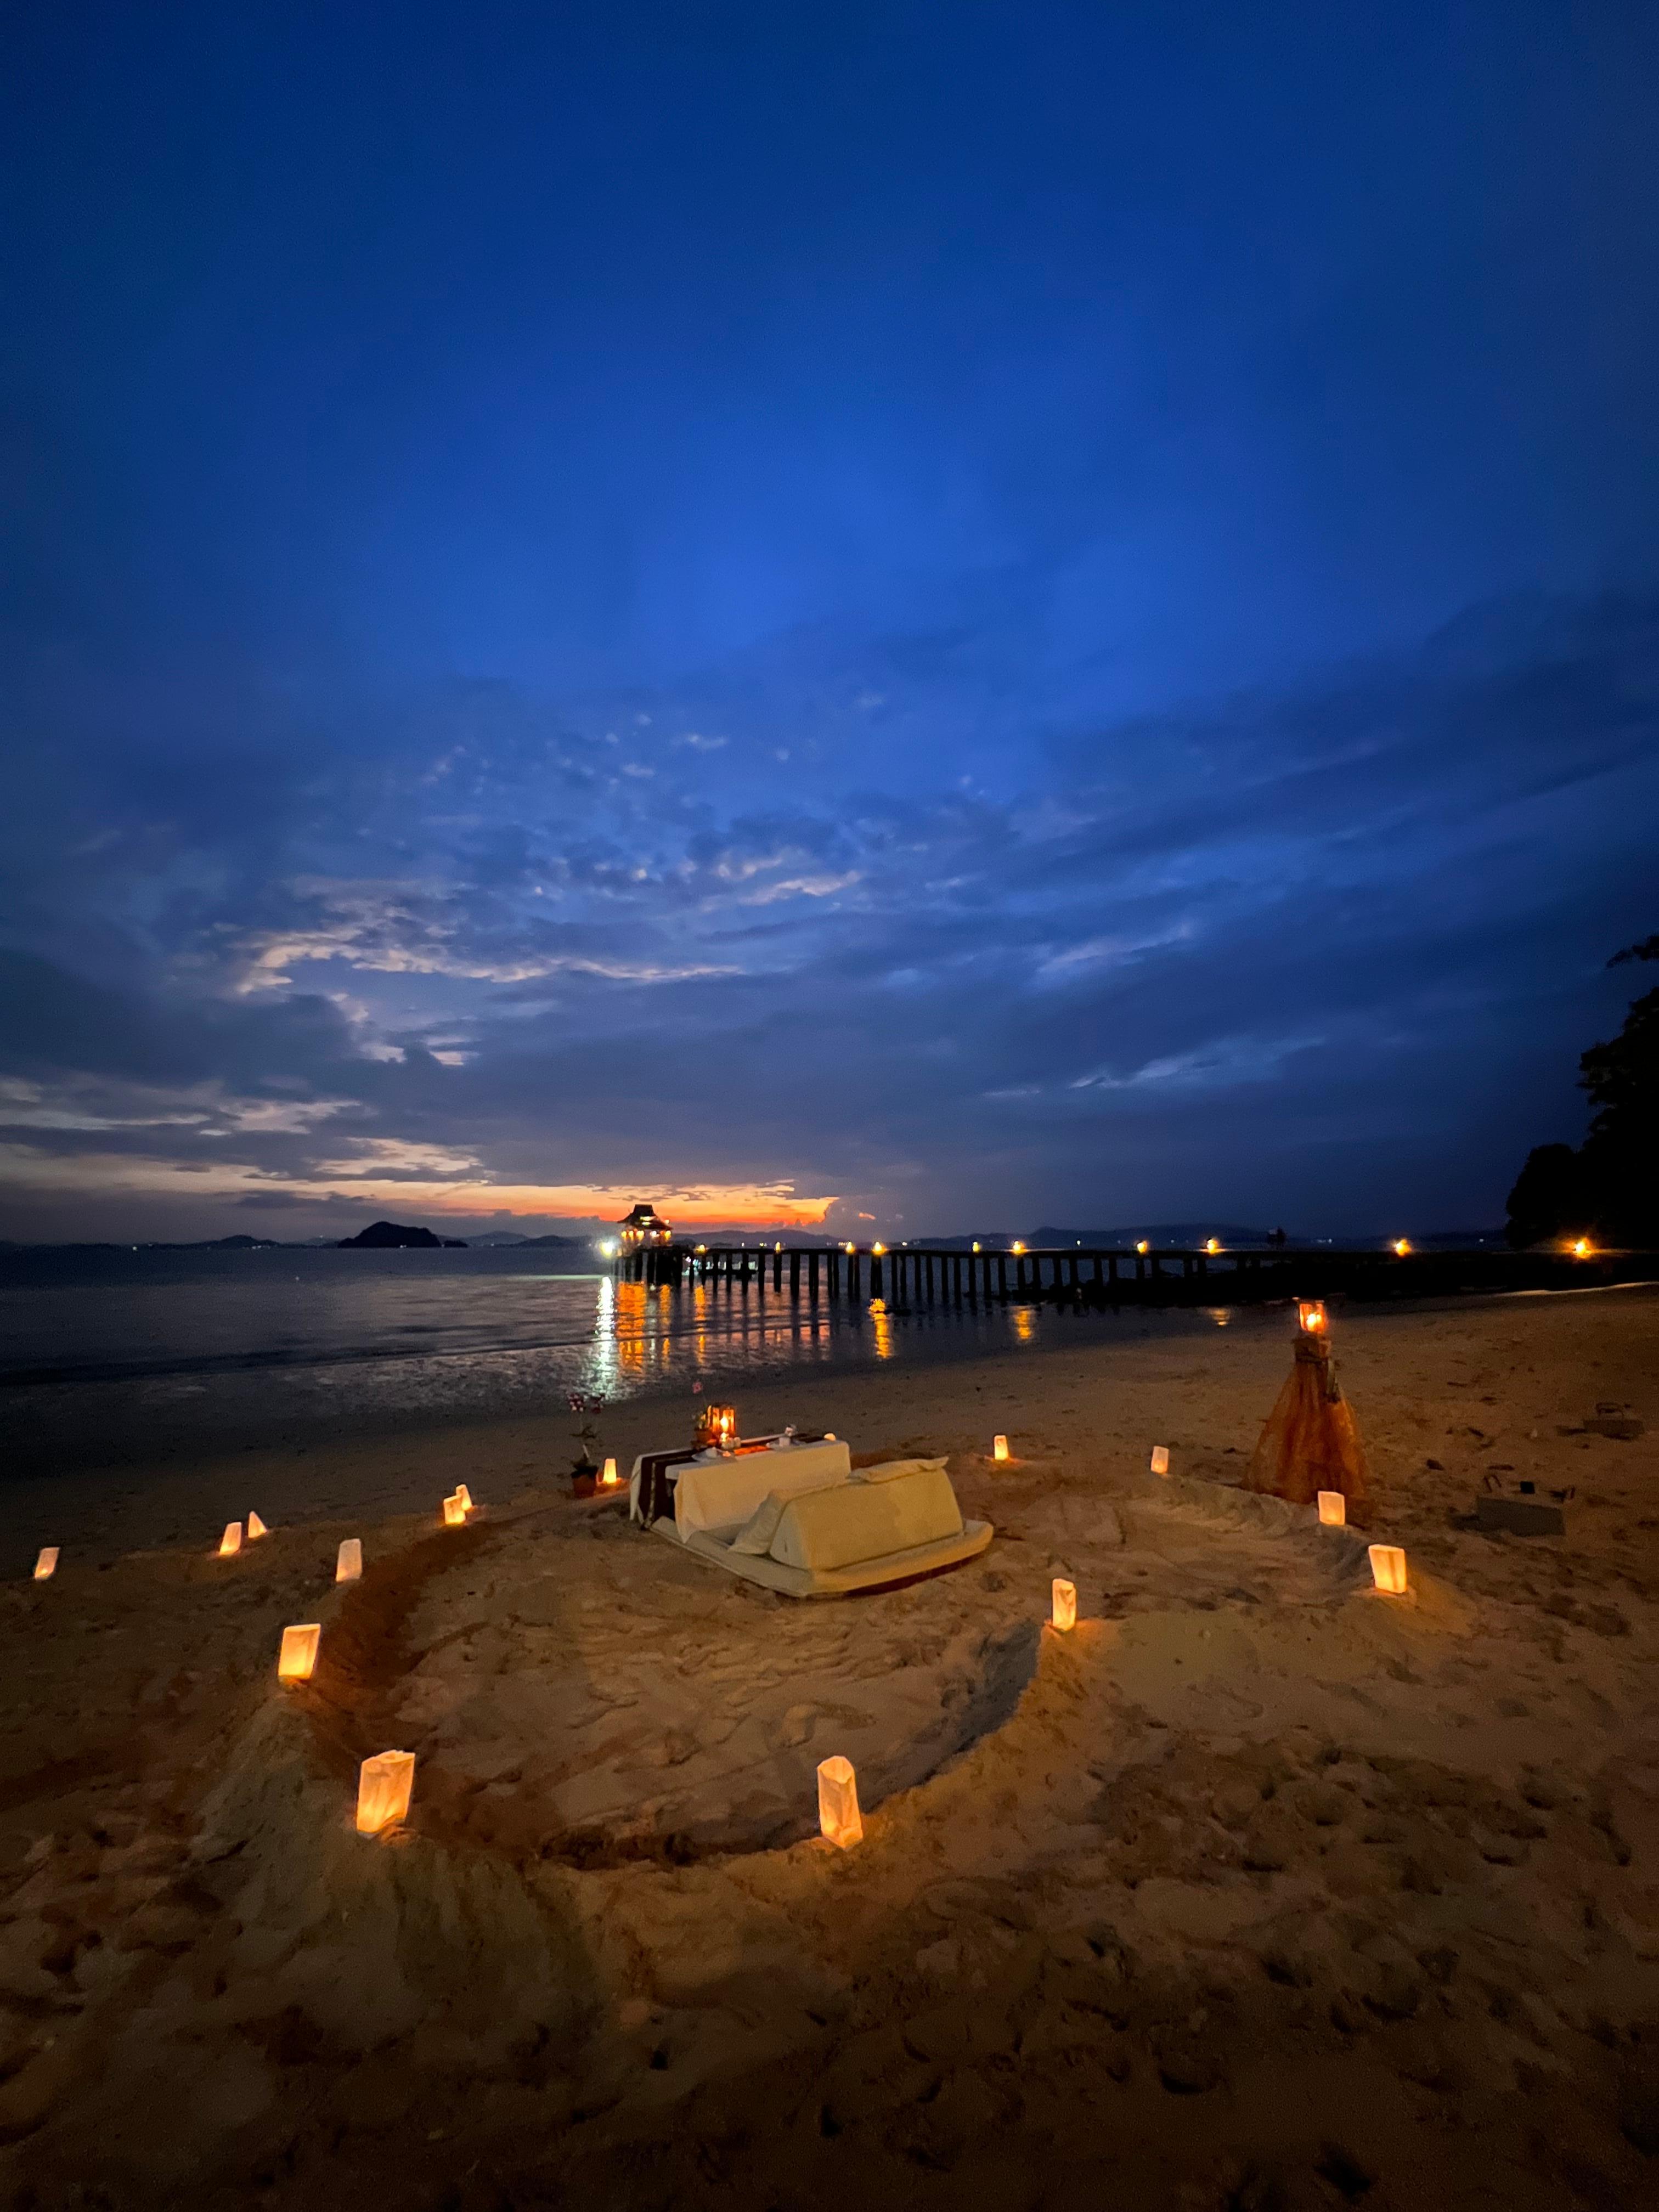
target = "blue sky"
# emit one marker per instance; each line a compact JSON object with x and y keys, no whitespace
{"x":982,"y":615}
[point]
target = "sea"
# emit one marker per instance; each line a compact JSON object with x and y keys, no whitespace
{"x":111,"y":1355}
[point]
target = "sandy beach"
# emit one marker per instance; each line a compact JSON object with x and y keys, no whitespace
{"x":1258,"y":1890}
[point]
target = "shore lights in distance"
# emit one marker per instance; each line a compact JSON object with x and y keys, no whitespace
{"x":839,"y":1817}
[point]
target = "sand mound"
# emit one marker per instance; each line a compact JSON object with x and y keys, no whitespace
{"x":1259,"y":1889}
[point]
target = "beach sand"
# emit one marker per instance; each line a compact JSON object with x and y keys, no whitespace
{"x":1259,"y":1890}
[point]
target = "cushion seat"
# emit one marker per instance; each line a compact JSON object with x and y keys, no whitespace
{"x":881,"y":1527}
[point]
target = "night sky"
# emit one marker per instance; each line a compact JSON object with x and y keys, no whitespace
{"x":988,"y":614}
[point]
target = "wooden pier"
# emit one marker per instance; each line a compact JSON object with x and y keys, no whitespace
{"x":914,"y":1278}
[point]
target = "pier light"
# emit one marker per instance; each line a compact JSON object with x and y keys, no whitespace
{"x":298,"y":1654}
{"x":46,"y":1565}
{"x":976,"y":1244}
{"x":1017,"y":1246}
{"x":608,"y":1247}
{"x":384,"y":1786}
{"x":1333,"y":1509}
{"x":609,"y":1478}
{"x":231,"y":1541}
{"x":838,"y":1803}
{"x":877,"y":1248}
{"x":1160,"y":1460}
{"x":1389,"y":1568}
{"x":1213,"y":1244}
{"x":1310,"y":1316}
{"x":454,"y":1513}
{"x":1582,"y":1248}
{"x":1143,"y":1246}
{"x":1402,"y":1246}
{"x":1065,"y":1603}
{"x":703,"y":1248}
{"x":349,"y":1566}
{"x":998,"y":1447}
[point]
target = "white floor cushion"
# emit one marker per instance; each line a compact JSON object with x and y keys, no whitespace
{"x":854,"y":1522}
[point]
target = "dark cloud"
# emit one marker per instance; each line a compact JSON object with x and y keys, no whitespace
{"x":1337,"y":945}
{"x":981,"y":624}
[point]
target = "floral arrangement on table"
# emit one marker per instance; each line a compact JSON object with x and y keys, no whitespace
{"x":585,"y":1468}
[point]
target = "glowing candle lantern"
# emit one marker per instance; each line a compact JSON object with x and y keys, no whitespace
{"x":454,"y":1513}
{"x":1310,"y":1316}
{"x":46,"y":1565}
{"x":298,"y":1654}
{"x":717,"y":1426}
{"x":384,"y":1784}
{"x":465,"y":1496}
{"x":609,"y":1478}
{"x":231,"y":1539}
{"x":256,"y":1529}
{"x":349,"y":1567}
{"x":1333,"y":1509}
{"x":1065,"y":1600}
{"x":998,"y":1447}
{"x":1389,"y":1568}
{"x":829,"y":1437}
{"x":838,"y":1803}
{"x":1160,"y":1459}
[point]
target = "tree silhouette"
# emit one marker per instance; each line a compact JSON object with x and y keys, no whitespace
{"x":1609,"y":1187}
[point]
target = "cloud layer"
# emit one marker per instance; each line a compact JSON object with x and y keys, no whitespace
{"x":1048,"y":615}
{"x":1327,"y":953}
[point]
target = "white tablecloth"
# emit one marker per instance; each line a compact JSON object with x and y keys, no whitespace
{"x":719,"y":1494}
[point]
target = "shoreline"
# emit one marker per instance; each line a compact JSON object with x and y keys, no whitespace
{"x":157,"y":1501}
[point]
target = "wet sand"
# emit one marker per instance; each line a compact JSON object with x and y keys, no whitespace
{"x":1259,"y":1890}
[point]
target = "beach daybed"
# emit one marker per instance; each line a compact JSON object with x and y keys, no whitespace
{"x":831,"y":1535}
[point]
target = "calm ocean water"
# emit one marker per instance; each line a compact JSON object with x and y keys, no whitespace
{"x":136,"y":1354}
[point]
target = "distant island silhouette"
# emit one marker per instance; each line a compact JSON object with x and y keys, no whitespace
{"x":391,"y":1236}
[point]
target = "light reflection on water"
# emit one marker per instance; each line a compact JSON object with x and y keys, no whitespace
{"x":179,"y":1348}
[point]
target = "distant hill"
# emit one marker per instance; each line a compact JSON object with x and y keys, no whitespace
{"x":391,"y":1236}
{"x":1181,"y":1235}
